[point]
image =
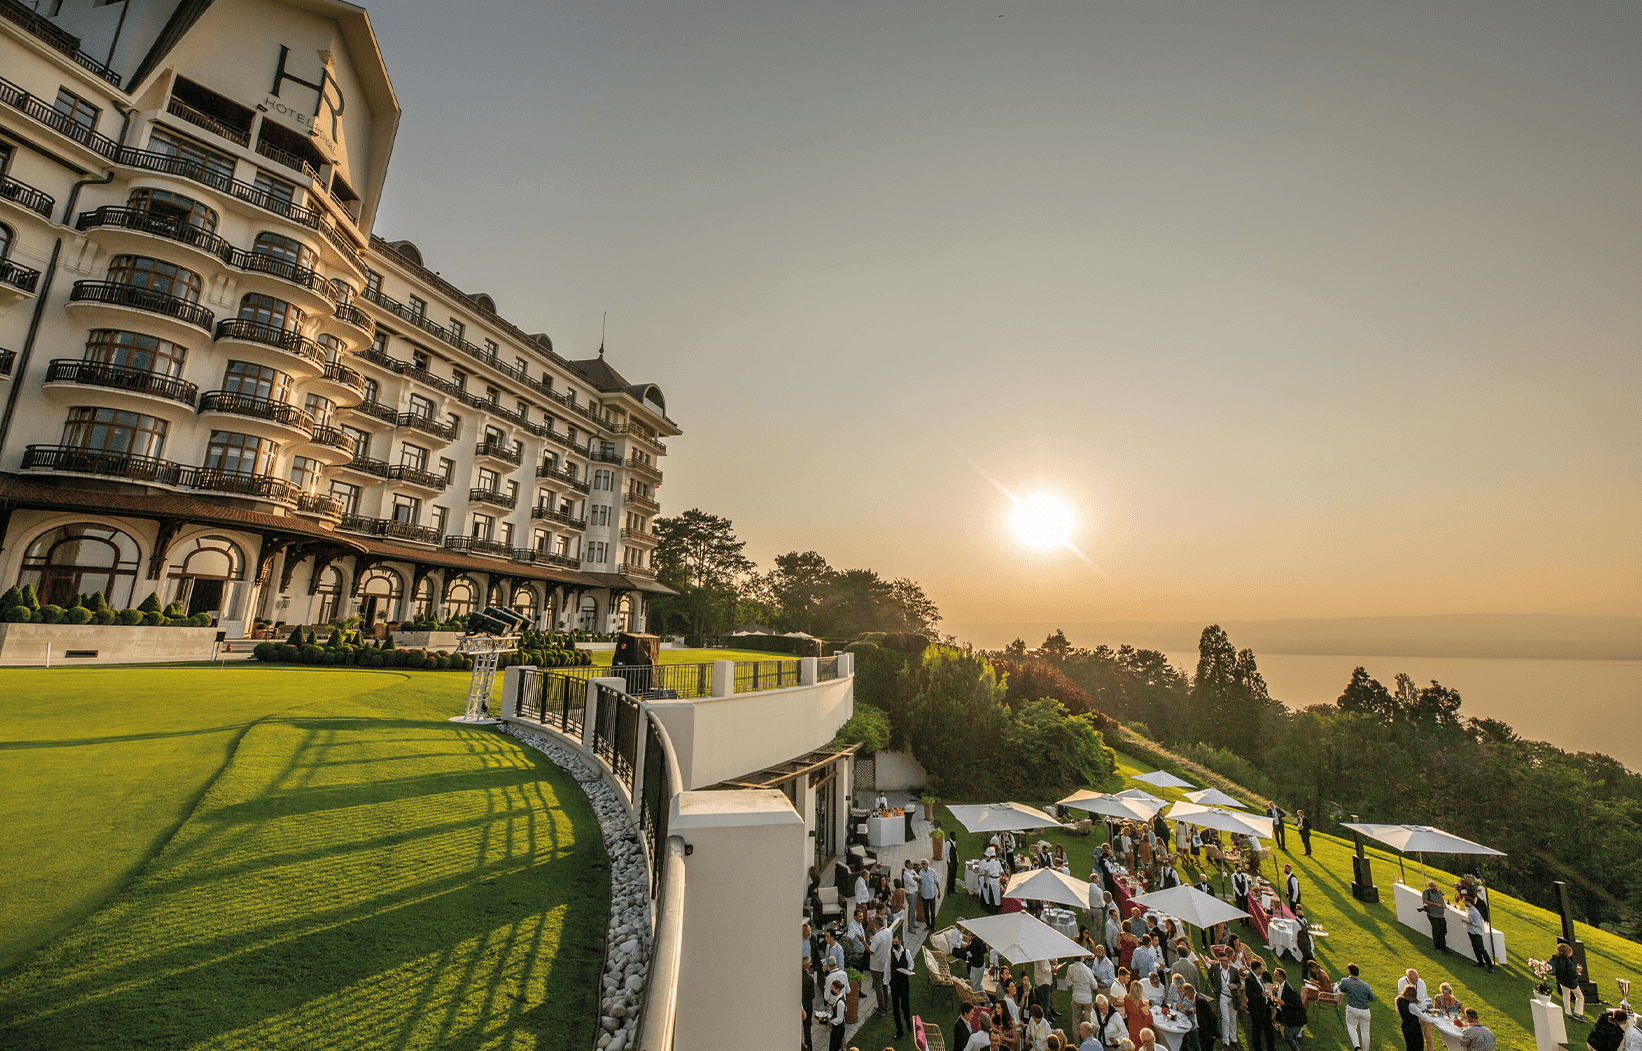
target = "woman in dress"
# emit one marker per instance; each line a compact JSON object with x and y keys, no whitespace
{"x":1126,"y":943}
{"x":1445,"y":1001}
{"x":1317,"y":983}
{"x":1137,"y":1010}
{"x":1408,"y":1011}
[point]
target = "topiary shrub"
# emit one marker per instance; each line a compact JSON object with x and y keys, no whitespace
{"x":12,"y":597}
{"x":415,"y":658}
{"x":151,"y":604}
{"x":96,"y":603}
{"x":131,"y":617}
{"x":77,"y":615}
{"x":310,"y":654}
{"x":107,"y":616}
{"x":52,"y":614}
{"x":263,"y":651}
{"x":30,"y":599}
{"x":285,"y":653}
{"x":18,"y":614}
{"x":154,"y":619}
{"x":176,"y":609}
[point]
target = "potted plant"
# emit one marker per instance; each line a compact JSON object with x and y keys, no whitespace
{"x":929,"y":806}
{"x":1541,"y":970}
{"x":852,"y":999}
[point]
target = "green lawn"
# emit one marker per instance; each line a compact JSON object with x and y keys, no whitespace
{"x":361,"y":872}
{"x":1368,"y":935}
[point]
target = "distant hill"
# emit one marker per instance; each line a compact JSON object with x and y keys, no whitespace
{"x":1452,"y":635}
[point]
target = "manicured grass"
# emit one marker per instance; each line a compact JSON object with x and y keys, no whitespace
{"x":1368,"y":935}
{"x":362,"y":873}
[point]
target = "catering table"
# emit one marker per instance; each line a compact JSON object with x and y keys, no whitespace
{"x":1169,"y":1031}
{"x":1444,"y":1027}
{"x":886,"y":831}
{"x":972,"y":877}
{"x":1261,"y":915}
{"x":1126,"y":889}
{"x":1411,"y":914}
{"x":1282,"y":936}
{"x":1063,"y":920}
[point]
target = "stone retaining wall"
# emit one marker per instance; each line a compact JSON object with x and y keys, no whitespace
{"x":111,"y":642}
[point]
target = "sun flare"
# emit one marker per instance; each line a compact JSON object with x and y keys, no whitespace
{"x":1042,"y":521}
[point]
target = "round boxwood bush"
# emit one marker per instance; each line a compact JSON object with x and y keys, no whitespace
{"x":106,"y":615}
{"x":130,"y":617}
{"x":262,"y":651}
{"x":77,"y":615}
{"x":285,"y":653}
{"x":19,"y":615}
{"x":310,"y":654}
{"x":51,"y":614}
{"x":441,"y":660}
{"x":415,"y":658}
{"x":154,"y":619}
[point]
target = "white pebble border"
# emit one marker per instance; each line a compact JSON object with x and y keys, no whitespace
{"x":627,"y":959}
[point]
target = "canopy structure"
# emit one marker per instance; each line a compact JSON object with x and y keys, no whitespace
{"x":1001,"y":817}
{"x":1213,"y":797}
{"x":1021,"y":937}
{"x":1163,"y":779}
{"x":1049,"y":885}
{"x":1421,"y":840}
{"x":1111,"y":806}
{"x":1141,"y":793}
{"x":1190,"y":905}
{"x":1224,"y":820}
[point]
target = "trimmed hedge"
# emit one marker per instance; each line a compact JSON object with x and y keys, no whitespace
{"x":345,"y":654}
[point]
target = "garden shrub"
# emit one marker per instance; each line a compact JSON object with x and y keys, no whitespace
{"x":154,"y":618}
{"x":130,"y":617}
{"x":52,"y":614}
{"x":18,"y":614}
{"x":413,"y":658}
{"x":285,"y":653}
{"x":263,"y":651}
{"x":310,"y":654}
{"x":95,"y":602}
{"x":151,"y":604}
{"x":12,"y":597}
{"x":30,"y":599}
{"x":176,"y":609}
{"x":441,"y":660}
{"x":77,"y":615}
{"x":107,"y":616}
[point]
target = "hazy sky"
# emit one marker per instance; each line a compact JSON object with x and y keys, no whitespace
{"x":1310,"y":309}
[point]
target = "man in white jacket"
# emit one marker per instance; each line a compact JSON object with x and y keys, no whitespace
{"x":1081,"y":981}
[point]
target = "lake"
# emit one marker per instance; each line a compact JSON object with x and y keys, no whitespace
{"x":1577,"y":705}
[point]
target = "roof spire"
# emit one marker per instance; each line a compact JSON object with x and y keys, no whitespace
{"x":602,"y":325}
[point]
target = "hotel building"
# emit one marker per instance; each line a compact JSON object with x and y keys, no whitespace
{"x":219,"y":385}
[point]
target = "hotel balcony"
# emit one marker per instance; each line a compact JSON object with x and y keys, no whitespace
{"x":599,"y":456}
{"x":365,"y":465}
{"x":558,"y":474}
{"x":317,"y":295}
{"x":346,"y":386}
{"x":639,"y":536}
{"x":69,"y":459}
{"x":21,"y":193}
{"x":418,"y":477}
{"x":419,"y":534}
{"x":374,"y":411}
{"x":478,"y":546}
{"x":260,"y":486}
{"x":47,"y":31}
{"x":122,"y":378}
{"x":271,"y":419}
{"x":319,"y":505}
{"x":493,"y":497}
{"x":646,"y":572}
{"x":112,"y":301}
{"x":178,"y":108}
{"x":644,"y":467}
{"x":538,"y":557}
{"x":132,"y":227}
{"x":16,"y":278}
{"x":547,"y":514}
{"x":502,"y":451}
{"x":352,"y":316}
{"x":642,"y":436}
{"x":644,"y":502}
{"x":427,"y":425}
{"x":304,"y":350}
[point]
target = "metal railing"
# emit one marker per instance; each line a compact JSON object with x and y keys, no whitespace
{"x":419,"y":421}
{"x":391,"y":528}
{"x":342,"y":374}
{"x":280,"y":155}
{"x":262,"y":486}
{"x":640,"y":535}
{"x":42,"y":111}
{"x":178,"y":108}
{"x":168,"y":227}
{"x":561,"y":517}
{"x":499,"y":450}
{"x":270,"y":336}
{"x":331,"y":438}
{"x":319,"y":504}
{"x":615,"y":732}
{"x":644,"y":503}
{"x":756,"y":676}
{"x":377,"y":410}
{"x":492,"y":497}
{"x":826,"y":668}
{"x":120,"y":295}
{"x":121,"y":377}
{"x":236,"y":404}
{"x":644,"y":466}
{"x":478,"y":545}
{"x":27,"y":196}
{"x":417,"y":476}
{"x":537,"y":557}
{"x":555,"y":700}
{"x":8,"y":359}
{"x":284,"y":269}
{"x":648,"y":572}
{"x":579,"y":484}
{"x":44,"y":29}
{"x":366,"y":465}
{"x":352,"y":315}
{"x":18,"y":276}
{"x":655,"y":800}
{"x":101,"y":462}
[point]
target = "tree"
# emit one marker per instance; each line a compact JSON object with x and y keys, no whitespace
{"x":1365,"y":695}
{"x":798,"y":586}
{"x":1055,"y":647}
{"x":699,"y":556}
{"x":1228,"y":693}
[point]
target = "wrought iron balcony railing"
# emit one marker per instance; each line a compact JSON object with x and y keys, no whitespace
{"x":141,"y":299}
{"x":34,"y":200}
{"x":478,"y":545}
{"x":270,"y":336}
{"x":492,"y":497}
{"x":417,"y":476}
{"x":498,"y":450}
{"x":252,"y":407}
{"x":121,"y":377}
{"x":18,"y":276}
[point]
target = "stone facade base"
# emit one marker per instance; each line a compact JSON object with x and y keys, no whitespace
{"x":103,"y":643}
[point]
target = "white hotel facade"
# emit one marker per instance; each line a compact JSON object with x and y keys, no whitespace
{"x":217,"y":384}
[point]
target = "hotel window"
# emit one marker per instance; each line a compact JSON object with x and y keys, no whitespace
{"x":603,"y":479}
{"x":570,"y":395}
{"x":256,"y":381}
{"x":334,"y":348}
{"x":519,"y":450}
{"x":419,"y":358}
{"x":493,"y":395}
{"x":507,"y":533}
{"x":373,"y":391}
{"x":361,"y":442}
{"x":493,"y":436}
{"x":541,"y":540}
{"x":518,"y":363}
{"x":598,"y":514}
{"x":183,"y":210}
{"x":524,"y":410}
{"x":218,"y":168}
{"x":114,"y":431}
{"x":457,"y":329}
{"x":239,"y":453}
{"x":346,"y":495}
{"x":564,"y":546}
{"x":488,"y":479}
{"x":155,"y":275}
{"x":484,"y":527}
{"x":596,"y":552}
{"x":134,"y":350}
{"x":421,"y":406}
{"x":447,"y":469}
{"x":438,"y":517}
{"x":459,"y":378}
{"x":413,"y":456}
{"x":570,"y":433}
{"x":455,"y":422}
{"x":278,"y":191}
{"x":373,"y":284}
{"x":418,"y":307}
{"x":513,"y":491}
{"x":544,"y":498}
{"x":321,"y":409}
{"x":285,"y":249}
{"x":380,"y":343}
{"x":269,"y":312}
{"x":406,"y":509}
{"x":305,"y":473}
{"x":78,"y":111}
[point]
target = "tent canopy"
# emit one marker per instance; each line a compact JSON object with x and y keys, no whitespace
{"x":1049,"y":885}
{"x":1111,"y":806}
{"x":1422,"y":839}
{"x":1020,"y":937}
{"x":1190,"y":905}
{"x":1001,"y":817}
{"x":1213,"y":797}
{"x":1163,"y":779}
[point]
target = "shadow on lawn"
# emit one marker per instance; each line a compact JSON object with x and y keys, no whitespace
{"x":75,"y":742}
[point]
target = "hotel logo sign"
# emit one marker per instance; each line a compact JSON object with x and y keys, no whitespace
{"x":327,"y":96}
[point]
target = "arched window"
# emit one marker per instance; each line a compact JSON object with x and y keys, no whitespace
{"x":5,"y":240}
{"x":156,"y":275}
{"x":422,"y":601}
{"x":460,"y":597}
{"x":81,"y":558}
{"x":379,"y":595}
{"x":330,"y":595}
{"x":587,"y":615}
{"x":624,"y":614}
{"x":524,"y":603}
{"x":285,"y":249}
{"x":134,"y":350}
{"x":184,"y":210}
{"x":266,"y":310}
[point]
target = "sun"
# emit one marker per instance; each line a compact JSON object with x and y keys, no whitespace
{"x":1042,"y":521}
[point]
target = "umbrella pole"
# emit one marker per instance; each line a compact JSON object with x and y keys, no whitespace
{"x":1401,"y":872}
{"x":1422,"y":866}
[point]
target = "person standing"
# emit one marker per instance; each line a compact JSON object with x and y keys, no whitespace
{"x":1358,"y":996}
{"x":1303,"y":940}
{"x":1303,"y":823}
{"x":1254,"y":989}
{"x":1275,"y":812}
{"x":992,"y":880}
{"x":1437,"y":910}
{"x":1291,"y":884}
{"x":1609,"y":1032}
{"x":1408,"y":1012}
{"x":930,"y":888}
{"x":1226,"y":979}
{"x":809,"y":996}
{"x":1081,"y":981}
{"x":1292,"y":1012}
{"x":951,"y":863}
{"x":1476,"y":929}
{"x":1476,"y":1036}
{"x":1566,"y":973}
{"x":882,"y":942}
{"x":1240,"y":891}
{"x":836,"y":1025}
{"x":900,"y":985}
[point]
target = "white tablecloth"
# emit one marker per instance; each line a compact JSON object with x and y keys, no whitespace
{"x":886,"y":831}
{"x":972,"y":877}
{"x":1282,"y":937}
{"x":1411,"y":915}
{"x":1446,"y":1030}
{"x":1169,"y":1031}
{"x":1063,"y":920}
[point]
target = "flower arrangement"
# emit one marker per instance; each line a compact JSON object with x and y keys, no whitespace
{"x":1541,"y":969}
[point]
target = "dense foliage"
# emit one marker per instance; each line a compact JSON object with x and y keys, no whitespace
{"x":22,"y":606}
{"x":1403,"y":754}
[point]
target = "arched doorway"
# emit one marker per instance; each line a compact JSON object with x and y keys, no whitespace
{"x":460,"y":597}
{"x":329,"y":591}
{"x":422,"y":601}
{"x":524,"y":603}
{"x":208,"y":577}
{"x":587,"y":614}
{"x":81,"y":558}
{"x":624,"y":613}
{"x":379,"y":596}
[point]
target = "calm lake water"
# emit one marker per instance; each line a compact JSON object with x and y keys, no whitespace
{"x":1577,"y":705}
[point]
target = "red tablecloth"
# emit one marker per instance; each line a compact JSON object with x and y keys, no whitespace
{"x":1261,"y":917}
{"x":1125,"y":890}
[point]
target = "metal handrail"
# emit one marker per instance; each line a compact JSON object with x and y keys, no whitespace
{"x":493,"y":497}
{"x":18,"y":276}
{"x":115,"y":294}
{"x":121,"y":377}
{"x":44,"y":29}
{"x":427,"y":425}
{"x":253,"y":407}
{"x":200,"y":119}
{"x":33,"y":199}
{"x":500,"y":451}
{"x":290,"y":341}
{"x":417,"y":476}
{"x":145,"y":221}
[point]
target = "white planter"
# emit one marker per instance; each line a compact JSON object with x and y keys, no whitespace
{"x":427,"y":640}
{"x":104,"y":642}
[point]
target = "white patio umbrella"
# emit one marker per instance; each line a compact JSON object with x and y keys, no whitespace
{"x":1163,"y":779}
{"x":1049,"y":885}
{"x":1224,"y":820}
{"x":1141,"y":793}
{"x":1021,"y":937}
{"x":1190,"y":905}
{"x":1213,"y":797}
{"x":1001,"y":817}
{"x":1110,"y":805}
{"x":1421,"y":840}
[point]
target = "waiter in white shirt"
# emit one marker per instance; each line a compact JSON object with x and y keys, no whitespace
{"x":991,"y":879}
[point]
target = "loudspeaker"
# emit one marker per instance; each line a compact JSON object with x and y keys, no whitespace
{"x":1362,"y":881}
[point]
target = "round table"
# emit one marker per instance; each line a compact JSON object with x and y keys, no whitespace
{"x":1169,"y":1031}
{"x":1282,"y":936}
{"x":1063,"y":920}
